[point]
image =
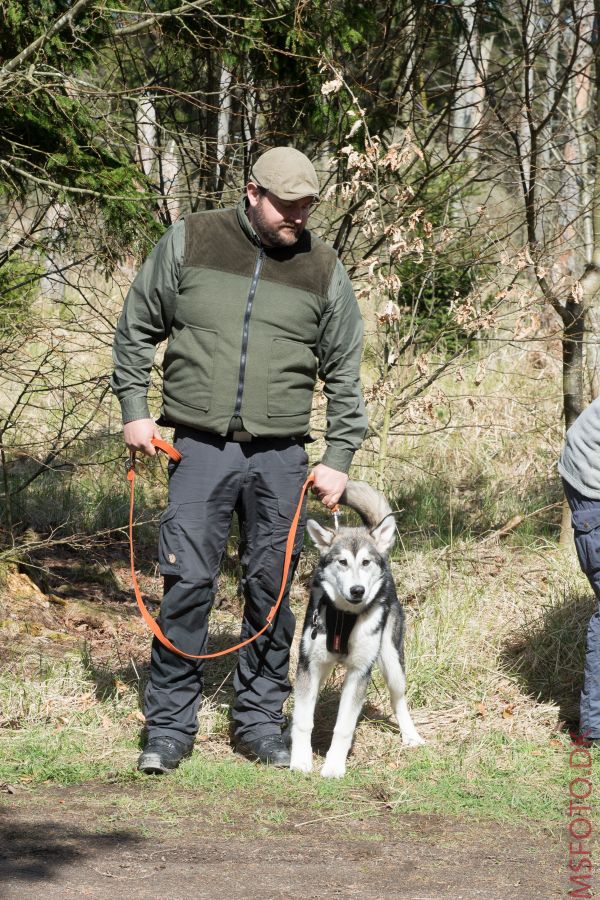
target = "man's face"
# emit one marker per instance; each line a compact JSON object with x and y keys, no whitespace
{"x":278,"y":223}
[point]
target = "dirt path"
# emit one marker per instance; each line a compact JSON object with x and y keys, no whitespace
{"x":59,"y":843}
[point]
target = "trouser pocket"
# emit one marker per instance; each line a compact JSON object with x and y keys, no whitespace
{"x":586,"y":529}
{"x":192,"y":538}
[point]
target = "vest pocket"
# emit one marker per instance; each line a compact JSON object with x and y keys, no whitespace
{"x":188,"y":367}
{"x":292,"y":376}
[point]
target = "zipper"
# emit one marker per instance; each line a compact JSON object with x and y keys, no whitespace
{"x":245,"y":331}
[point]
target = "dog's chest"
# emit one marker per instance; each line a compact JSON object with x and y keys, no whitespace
{"x":354,"y":641}
{"x":338,"y":629}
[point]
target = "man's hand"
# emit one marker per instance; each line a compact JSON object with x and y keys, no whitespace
{"x":328,"y":485}
{"x":138,"y":435}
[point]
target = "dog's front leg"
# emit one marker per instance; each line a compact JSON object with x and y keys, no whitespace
{"x":391,"y":668}
{"x":309,"y":678}
{"x":351,"y":703}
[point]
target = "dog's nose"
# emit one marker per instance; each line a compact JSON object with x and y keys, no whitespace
{"x":357,"y":592}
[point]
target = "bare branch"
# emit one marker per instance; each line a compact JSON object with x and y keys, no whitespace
{"x":63,"y":22}
{"x":156,"y":18}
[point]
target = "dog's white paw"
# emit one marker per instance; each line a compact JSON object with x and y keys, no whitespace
{"x":333,"y":768}
{"x":301,"y":761}
{"x":413,"y":740}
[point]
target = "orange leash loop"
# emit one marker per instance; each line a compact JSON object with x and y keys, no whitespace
{"x":150,"y":622}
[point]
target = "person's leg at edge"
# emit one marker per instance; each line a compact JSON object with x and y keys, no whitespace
{"x":586,"y":522}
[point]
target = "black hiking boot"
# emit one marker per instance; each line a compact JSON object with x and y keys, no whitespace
{"x":163,"y":754}
{"x":271,"y":750}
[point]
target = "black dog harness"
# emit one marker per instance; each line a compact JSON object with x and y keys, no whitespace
{"x":338,"y":627}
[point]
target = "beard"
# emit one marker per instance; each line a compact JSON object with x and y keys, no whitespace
{"x":285,"y":234}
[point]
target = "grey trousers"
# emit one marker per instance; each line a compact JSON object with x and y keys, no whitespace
{"x":586,"y":528}
{"x":261,"y":482}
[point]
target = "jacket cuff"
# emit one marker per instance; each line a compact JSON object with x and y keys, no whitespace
{"x":134,"y":408}
{"x":341,"y":460}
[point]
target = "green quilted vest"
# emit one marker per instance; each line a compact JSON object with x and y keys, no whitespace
{"x":244,"y":334}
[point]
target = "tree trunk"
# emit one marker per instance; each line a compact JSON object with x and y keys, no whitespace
{"x":145,"y":121}
{"x":590,"y":198}
{"x":169,"y":170}
{"x":467,"y":110}
{"x":572,"y":347}
{"x":223,"y":124}
{"x":209,"y":161}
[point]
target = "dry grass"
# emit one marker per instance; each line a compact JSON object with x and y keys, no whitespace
{"x":495,"y":624}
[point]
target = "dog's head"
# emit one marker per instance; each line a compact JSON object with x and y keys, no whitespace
{"x":353,"y":561}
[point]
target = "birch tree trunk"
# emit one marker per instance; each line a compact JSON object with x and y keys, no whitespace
{"x":223,"y":126}
{"x":53,"y":283}
{"x":145,"y":122}
{"x":588,"y":147}
{"x":467,"y":110}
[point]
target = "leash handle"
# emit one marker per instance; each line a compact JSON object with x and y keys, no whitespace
{"x":152,"y":624}
{"x":171,"y":452}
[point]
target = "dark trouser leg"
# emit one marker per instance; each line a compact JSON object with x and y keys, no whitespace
{"x":203,"y":489}
{"x":266,"y":508}
{"x":586,"y":526}
{"x":590,"y":695}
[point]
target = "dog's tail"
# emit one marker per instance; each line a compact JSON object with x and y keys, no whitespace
{"x":368,"y":502}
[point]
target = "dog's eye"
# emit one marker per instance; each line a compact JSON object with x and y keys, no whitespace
{"x":366,"y":562}
{"x":343,"y":563}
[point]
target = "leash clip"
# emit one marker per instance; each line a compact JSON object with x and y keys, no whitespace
{"x":130,"y":462}
{"x":335,"y":512}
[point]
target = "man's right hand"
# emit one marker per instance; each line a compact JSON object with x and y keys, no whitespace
{"x":138,"y":435}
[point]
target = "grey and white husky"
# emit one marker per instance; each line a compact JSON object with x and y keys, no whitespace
{"x":353,"y":618}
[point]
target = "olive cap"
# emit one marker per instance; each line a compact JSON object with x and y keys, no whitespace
{"x":287,"y":173}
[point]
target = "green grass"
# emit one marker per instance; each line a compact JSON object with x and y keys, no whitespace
{"x":500,"y":778}
{"x":63,"y":731}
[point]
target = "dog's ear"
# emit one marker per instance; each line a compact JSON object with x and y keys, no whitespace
{"x":321,"y":537}
{"x":384,"y":535}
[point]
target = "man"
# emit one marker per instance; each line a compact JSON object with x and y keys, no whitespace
{"x":579,"y":466}
{"x":254,"y":307}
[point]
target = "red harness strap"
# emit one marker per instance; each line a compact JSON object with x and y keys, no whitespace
{"x":150,"y":622}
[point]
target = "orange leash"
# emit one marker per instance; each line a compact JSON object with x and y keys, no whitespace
{"x":175,"y":455}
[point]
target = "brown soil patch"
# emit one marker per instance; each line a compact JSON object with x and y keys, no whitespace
{"x":64,"y":845}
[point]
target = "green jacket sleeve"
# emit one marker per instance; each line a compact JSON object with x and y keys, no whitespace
{"x":339,"y":352}
{"x":145,"y":321}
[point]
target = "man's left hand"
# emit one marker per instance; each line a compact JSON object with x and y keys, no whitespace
{"x":328,"y":485}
